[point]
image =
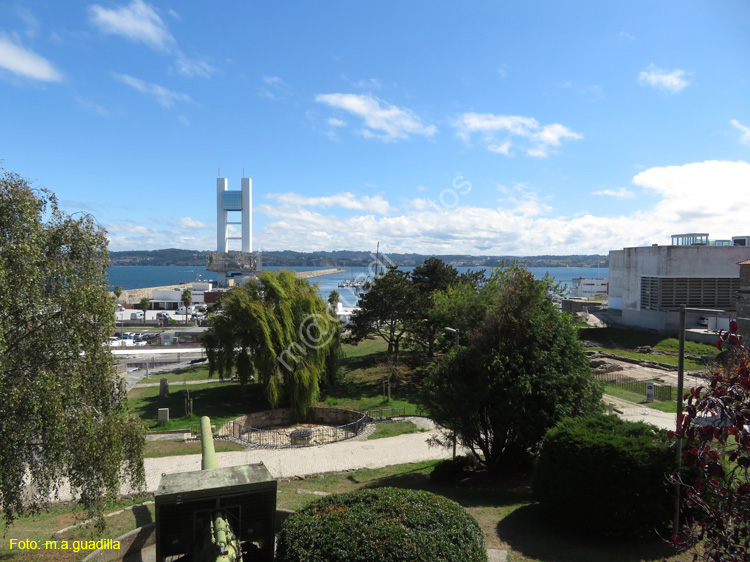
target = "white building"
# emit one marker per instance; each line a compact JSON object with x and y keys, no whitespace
{"x":648,"y":284}
{"x":585,"y":287}
{"x":171,"y":299}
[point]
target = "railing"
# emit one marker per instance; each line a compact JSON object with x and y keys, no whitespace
{"x":661,"y":391}
{"x":286,"y":437}
{"x":387,"y":414}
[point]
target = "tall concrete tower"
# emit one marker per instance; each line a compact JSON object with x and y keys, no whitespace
{"x":232,"y":201}
{"x":234,"y":266}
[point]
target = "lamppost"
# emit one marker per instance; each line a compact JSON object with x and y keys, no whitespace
{"x":453,"y":331}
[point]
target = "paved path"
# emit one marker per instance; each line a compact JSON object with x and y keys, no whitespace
{"x":343,"y":456}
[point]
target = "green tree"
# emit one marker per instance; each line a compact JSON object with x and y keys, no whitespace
{"x":278,"y":330}
{"x":144,"y":305}
{"x":334,"y":298}
{"x":386,"y":309}
{"x":519,"y":371}
{"x":117,"y":291}
{"x":433,"y":276}
{"x":63,"y":413}
{"x":187,"y":300}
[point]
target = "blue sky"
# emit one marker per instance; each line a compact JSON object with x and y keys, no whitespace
{"x":513,"y":128}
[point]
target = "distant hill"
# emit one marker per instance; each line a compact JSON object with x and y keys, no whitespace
{"x":350,"y":258}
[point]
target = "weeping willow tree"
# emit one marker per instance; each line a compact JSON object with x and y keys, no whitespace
{"x":277,"y":330}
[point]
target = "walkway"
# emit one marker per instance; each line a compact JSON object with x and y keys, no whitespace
{"x":343,"y":456}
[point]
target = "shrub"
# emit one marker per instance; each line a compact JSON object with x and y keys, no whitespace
{"x":450,"y":470}
{"x":383,"y":524}
{"x":606,"y":475}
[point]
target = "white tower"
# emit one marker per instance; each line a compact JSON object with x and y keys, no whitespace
{"x":227,"y":201}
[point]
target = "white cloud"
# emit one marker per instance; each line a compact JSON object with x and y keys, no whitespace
{"x":188,"y":222}
{"x":91,"y":106}
{"x":671,"y":81}
{"x":537,"y":140}
{"x":277,"y":88}
{"x":383,"y":122}
{"x":525,"y":223}
{"x":193,"y":68}
{"x":165,"y":97}
{"x":622,"y":193}
{"x":627,"y":36}
{"x":333,"y":122}
{"x":137,"y":22}
{"x":26,"y":63}
{"x":344,"y":200}
{"x":745,"y":131}
{"x":700,"y":197}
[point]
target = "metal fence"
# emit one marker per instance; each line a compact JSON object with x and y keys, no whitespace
{"x":286,"y":436}
{"x":661,"y":391}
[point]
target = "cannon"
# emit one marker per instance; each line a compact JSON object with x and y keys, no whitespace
{"x":216,"y":514}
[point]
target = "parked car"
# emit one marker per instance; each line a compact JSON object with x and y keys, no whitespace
{"x":136,"y":315}
{"x":703,"y":321}
{"x":162,"y":316}
{"x":114,"y":342}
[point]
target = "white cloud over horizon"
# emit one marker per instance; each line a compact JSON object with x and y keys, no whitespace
{"x":523,"y":223}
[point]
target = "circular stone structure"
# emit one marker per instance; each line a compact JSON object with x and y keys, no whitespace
{"x":277,"y":428}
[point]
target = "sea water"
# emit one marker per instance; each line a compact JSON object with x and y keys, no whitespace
{"x":140,"y":276}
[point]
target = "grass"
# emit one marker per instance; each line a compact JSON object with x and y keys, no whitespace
{"x":221,"y":402}
{"x":42,"y":526}
{"x":197,"y":373}
{"x":392,"y":429}
{"x":623,"y":342}
{"x":360,"y":377}
{"x":669,"y":406}
{"x":505,"y":510}
{"x":169,"y":448}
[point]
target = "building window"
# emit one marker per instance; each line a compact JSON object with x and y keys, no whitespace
{"x":668,"y":293}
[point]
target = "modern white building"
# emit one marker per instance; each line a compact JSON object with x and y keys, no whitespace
{"x":585,"y":287}
{"x":648,"y":284}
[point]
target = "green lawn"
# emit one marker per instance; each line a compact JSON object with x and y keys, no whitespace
{"x":623,"y":342}
{"x":669,"y":406}
{"x":168,"y":448}
{"x":392,"y":429}
{"x":220,"y":401}
{"x":362,"y":372}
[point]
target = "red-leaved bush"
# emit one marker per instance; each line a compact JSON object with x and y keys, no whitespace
{"x":715,"y":485}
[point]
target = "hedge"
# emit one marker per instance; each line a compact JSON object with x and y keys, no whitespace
{"x":381,"y":524}
{"x":606,"y":475}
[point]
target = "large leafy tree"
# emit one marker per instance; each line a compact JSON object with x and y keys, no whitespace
{"x":519,"y":371}
{"x":386,"y":309}
{"x":433,"y":276}
{"x":715,"y":485}
{"x":279,"y":331}
{"x":63,"y":414}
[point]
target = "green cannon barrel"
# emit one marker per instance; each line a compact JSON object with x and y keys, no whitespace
{"x":208,"y":454}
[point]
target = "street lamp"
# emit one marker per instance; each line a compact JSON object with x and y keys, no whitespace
{"x":453,"y":331}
